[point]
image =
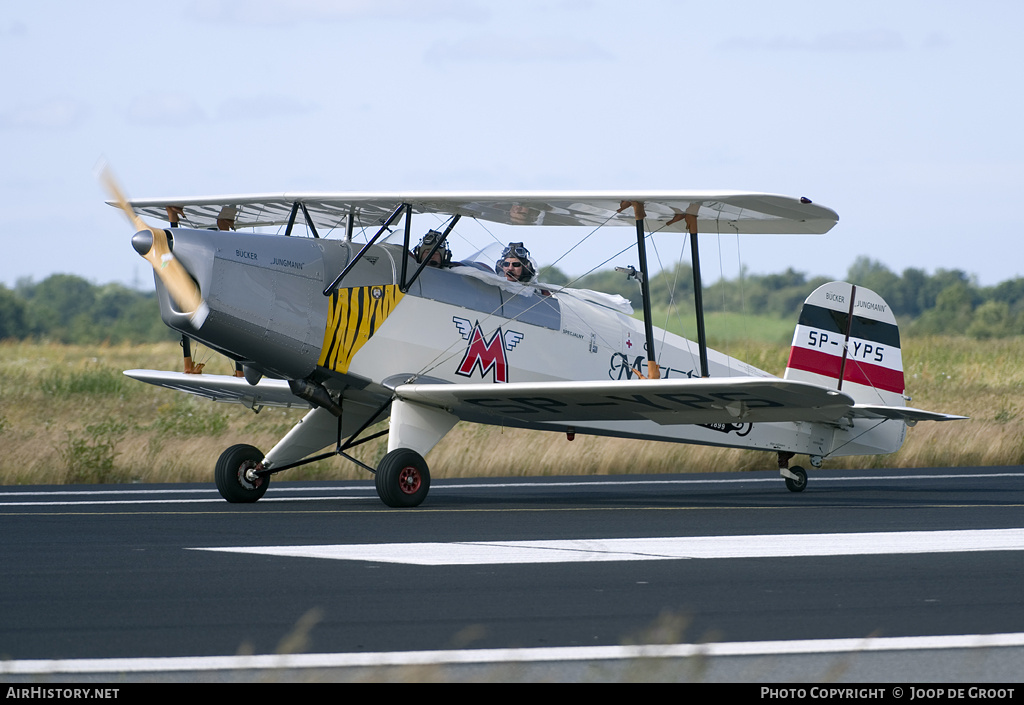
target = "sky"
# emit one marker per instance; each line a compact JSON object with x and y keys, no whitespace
{"x":904,"y":117}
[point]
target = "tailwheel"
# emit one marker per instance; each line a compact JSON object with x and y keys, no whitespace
{"x":403,"y":478}
{"x":800,"y":482}
{"x":235,"y":476}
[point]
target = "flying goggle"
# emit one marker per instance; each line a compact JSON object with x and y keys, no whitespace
{"x":517,"y":249}
{"x":431,"y":238}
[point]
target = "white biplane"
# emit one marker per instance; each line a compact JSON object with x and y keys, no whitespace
{"x":357,"y":332}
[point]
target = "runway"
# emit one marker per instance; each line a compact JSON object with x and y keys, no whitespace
{"x":914,"y":574}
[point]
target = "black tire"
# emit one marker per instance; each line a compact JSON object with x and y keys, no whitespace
{"x":799,"y":484}
{"x":403,"y":478}
{"x":230,"y":474}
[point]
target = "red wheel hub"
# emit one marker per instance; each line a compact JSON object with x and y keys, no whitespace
{"x":409,"y":480}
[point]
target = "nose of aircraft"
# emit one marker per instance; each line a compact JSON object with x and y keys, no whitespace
{"x":142,"y":241}
{"x":154,"y":245}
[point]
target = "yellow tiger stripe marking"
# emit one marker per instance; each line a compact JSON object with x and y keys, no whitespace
{"x":355,"y":314}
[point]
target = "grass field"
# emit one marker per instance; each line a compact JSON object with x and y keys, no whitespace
{"x":68,"y":415}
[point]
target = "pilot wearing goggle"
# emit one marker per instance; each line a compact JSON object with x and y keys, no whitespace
{"x":515,"y":263}
{"x":441,"y":258}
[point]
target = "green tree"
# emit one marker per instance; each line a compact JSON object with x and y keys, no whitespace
{"x":909,"y":299}
{"x":875,"y":276}
{"x":69,"y":309}
{"x":951,"y":313}
{"x":992,"y":320}
{"x":55,"y":302}
{"x":552,"y":275}
{"x":13,"y":319}
{"x":1011,"y":292}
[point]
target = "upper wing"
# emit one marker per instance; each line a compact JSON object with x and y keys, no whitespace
{"x":716,"y":211}
{"x":269,"y":392}
{"x":664,"y":401}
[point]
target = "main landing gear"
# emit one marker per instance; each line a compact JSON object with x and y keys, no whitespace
{"x":236,"y":476}
{"x":799,"y":482}
{"x":402,"y":478}
{"x":796,"y":476}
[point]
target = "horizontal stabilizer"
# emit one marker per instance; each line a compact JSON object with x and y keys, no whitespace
{"x":901,"y":413}
{"x":269,"y":392}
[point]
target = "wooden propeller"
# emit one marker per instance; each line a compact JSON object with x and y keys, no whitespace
{"x":153,"y":245}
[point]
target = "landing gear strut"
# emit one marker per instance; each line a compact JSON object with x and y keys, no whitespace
{"x":796,"y":476}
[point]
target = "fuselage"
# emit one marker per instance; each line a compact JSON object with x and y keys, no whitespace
{"x":269,"y":312}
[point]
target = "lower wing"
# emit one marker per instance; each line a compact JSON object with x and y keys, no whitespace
{"x":269,"y":392}
{"x":664,"y":401}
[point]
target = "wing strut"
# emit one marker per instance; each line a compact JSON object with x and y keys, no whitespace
{"x":639,"y":213}
{"x":426,"y":260}
{"x":291,"y":219}
{"x":383,"y":228}
{"x":698,"y":294}
{"x":305,"y":213}
{"x":653,"y":372}
{"x":406,"y":250}
{"x":350,"y":224}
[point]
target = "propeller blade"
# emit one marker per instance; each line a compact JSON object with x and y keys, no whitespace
{"x":153,"y":245}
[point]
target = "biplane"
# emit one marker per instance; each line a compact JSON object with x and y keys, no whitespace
{"x":358,"y":332}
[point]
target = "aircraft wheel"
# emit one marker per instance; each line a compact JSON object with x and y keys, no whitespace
{"x":798,"y":484}
{"x":230,"y":474}
{"x":403,"y":478}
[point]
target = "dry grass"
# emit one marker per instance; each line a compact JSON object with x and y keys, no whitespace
{"x":68,"y":415}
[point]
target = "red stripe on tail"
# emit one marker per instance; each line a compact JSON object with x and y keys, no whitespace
{"x":869,"y":375}
{"x":874,"y":376}
{"x":814,"y":361}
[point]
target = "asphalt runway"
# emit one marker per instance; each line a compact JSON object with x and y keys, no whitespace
{"x":876,"y":575}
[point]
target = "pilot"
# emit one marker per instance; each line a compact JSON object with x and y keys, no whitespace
{"x":440,"y":259}
{"x":515,"y":263}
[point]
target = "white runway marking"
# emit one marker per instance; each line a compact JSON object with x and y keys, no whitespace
{"x":280,"y":492}
{"x":528,"y":655}
{"x":652,"y":549}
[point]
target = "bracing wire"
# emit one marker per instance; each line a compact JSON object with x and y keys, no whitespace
{"x":725,"y":307}
{"x":741,"y":283}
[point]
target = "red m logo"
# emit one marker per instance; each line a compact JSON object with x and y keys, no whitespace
{"x":488,"y":355}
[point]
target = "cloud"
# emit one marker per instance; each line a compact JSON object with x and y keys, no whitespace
{"x":263,"y":107}
{"x":165,"y":111}
{"x":13,"y":28}
{"x":289,"y":12}
{"x":937,"y":40}
{"x":517,"y":50}
{"x":849,"y":41}
{"x":157,"y":110}
{"x":52,"y":114}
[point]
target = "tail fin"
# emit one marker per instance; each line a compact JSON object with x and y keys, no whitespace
{"x":847,"y":338}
